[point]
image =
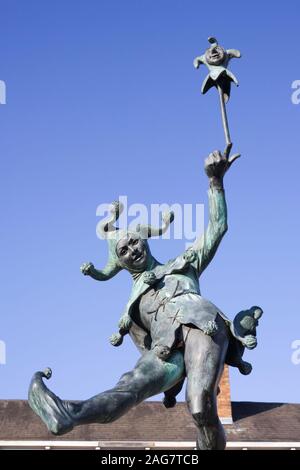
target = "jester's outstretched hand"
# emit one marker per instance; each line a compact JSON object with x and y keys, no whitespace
{"x":217,"y":164}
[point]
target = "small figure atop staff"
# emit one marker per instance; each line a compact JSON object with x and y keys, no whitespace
{"x":216,"y":58}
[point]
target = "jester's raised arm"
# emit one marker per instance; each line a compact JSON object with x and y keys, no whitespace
{"x":206,"y":246}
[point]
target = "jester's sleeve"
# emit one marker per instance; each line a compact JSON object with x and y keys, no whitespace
{"x":207,"y":245}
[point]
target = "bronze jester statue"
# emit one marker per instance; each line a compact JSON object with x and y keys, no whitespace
{"x":180,"y":335}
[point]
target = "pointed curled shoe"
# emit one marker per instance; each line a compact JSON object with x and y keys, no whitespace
{"x":48,"y":406}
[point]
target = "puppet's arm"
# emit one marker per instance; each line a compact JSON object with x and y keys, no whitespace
{"x":198,"y":61}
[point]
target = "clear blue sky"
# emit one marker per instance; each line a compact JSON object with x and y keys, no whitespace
{"x":103,"y":100}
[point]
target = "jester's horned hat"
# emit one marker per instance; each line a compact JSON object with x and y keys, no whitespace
{"x":113,"y":234}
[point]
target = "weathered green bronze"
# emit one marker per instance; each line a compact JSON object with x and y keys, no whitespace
{"x":179,"y":333}
{"x":216,"y":59}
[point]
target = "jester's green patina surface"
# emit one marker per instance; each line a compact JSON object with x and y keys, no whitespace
{"x":180,"y":334}
{"x":169,"y":282}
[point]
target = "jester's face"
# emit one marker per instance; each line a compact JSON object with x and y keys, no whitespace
{"x":215,"y":55}
{"x":132,"y":253}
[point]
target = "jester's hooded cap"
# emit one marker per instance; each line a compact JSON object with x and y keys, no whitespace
{"x":113,"y":234}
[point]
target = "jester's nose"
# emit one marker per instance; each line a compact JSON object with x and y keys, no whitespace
{"x":135,"y":253}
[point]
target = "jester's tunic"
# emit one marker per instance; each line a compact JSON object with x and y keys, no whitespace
{"x":165,"y":297}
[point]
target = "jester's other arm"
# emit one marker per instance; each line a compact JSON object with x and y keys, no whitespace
{"x":88,"y":269}
{"x":206,"y":246}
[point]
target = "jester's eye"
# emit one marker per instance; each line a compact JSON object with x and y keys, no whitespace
{"x":135,"y":242}
{"x":123,"y":251}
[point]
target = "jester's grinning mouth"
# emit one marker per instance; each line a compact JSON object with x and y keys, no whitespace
{"x":138,"y":257}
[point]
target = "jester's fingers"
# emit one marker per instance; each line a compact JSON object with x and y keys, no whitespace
{"x":233,"y":158}
{"x":227,"y":153}
{"x":217,"y":164}
{"x":227,"y":150}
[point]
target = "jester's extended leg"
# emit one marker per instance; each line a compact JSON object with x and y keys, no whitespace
{"x":150,"y":376}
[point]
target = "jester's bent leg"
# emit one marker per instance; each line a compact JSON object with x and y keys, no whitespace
{"x":150,"y":376}
{"x":204,"y":362}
